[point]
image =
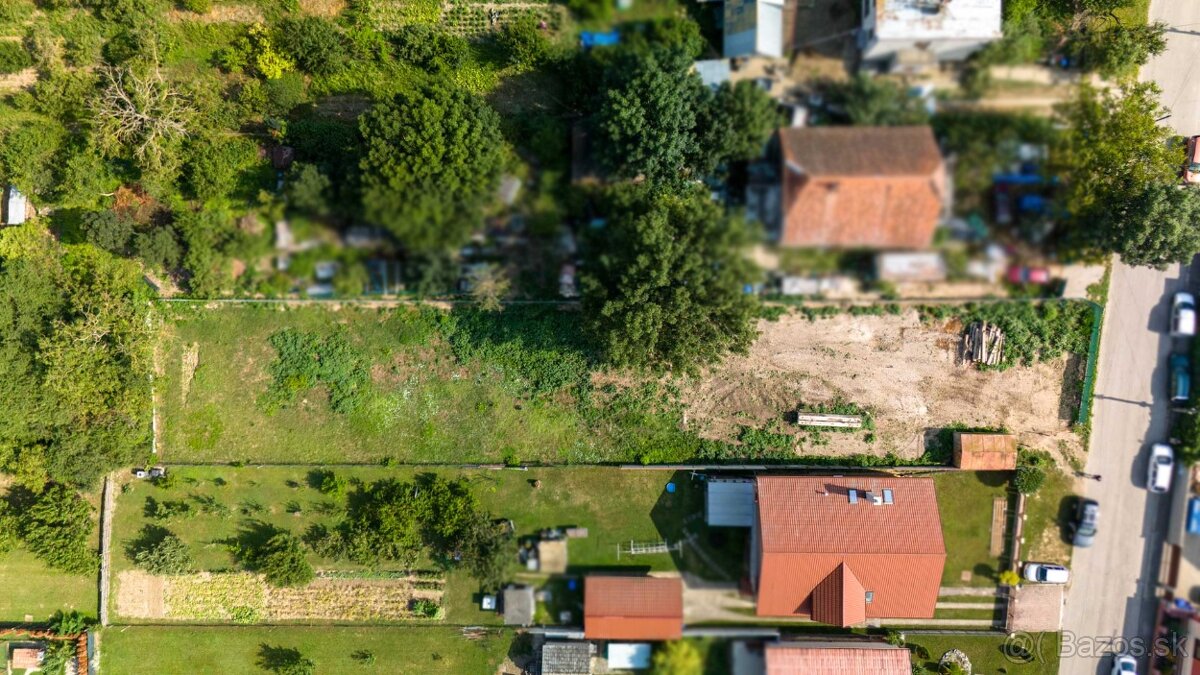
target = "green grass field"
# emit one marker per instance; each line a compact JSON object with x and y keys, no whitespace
{"x":31,"y":588}
{"x":965,"y":502}
{"x":615,"y":505}
{"x":428,"y":408}
{"x":136,"y":650}
{"x":986,"y":656}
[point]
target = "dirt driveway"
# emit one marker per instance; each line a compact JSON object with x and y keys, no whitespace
{"x":900,"y":369}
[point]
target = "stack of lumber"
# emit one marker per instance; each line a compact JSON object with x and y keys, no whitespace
{"x":982,"y":343}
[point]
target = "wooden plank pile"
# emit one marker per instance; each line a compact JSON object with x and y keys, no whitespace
{"x":982,"y":343}
{"x":806,"y":419}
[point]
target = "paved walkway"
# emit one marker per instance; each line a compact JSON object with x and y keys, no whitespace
{"x":108,"y":505}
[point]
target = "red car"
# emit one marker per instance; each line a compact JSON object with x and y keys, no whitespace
{"x":1191,"y":165}
{"x":1020,"y":274}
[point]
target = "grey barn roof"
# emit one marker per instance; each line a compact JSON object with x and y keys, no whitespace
{"x":729,"y":502}
{"x":566,"y":658}
{"x":518,"y":606}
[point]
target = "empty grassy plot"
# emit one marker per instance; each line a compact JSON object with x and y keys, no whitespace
{"x":243,"y":650}
{"x":34,"y":591}
{"x":988,"y":655}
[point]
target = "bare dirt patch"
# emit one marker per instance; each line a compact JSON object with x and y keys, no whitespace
{"x":187,"y":370}
{"x":140,"y":595}
{"x":219,"y":14}
{"x":901,"y":370}
{"x":21,"y":80}
{"x":326,"y":8}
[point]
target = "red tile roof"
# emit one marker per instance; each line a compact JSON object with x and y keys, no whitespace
{"x":861,"y":187}
{"x":794,"y":660}
{"x":632,"y":608}
{"x":985,"y":452}
{"x":820,"y":554}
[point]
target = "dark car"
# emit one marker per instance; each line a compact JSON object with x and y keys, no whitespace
{"x":1181,"y":378}
{"x":1083,"y":525}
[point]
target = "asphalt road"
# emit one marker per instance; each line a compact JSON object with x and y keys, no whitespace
{"x":1111,"y":599}
{"x":1111,"y":602}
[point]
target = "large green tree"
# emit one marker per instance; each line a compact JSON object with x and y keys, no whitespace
{"x":647,"y":116}
{"x":74,"y":356}
{"x":736,"y":121}
{"x":1113,"y":145}
{"x":431,"y":160}
{"x":1156,"y":226}
{"x":663,"y":283}
{"x":57,"y":526}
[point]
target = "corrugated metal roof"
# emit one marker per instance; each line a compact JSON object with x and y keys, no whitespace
{"x":881,"y":660}
{"x":729,"y":503}
{"x":566,"y":658}
{"x":809,"y":529}
{"x":632,"y":608}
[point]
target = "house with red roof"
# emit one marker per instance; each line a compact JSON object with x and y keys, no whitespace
{"x":861,"y":187}
{"x":816,"y":658}
{"x":844,"y":549}
{"x":632,"y":608}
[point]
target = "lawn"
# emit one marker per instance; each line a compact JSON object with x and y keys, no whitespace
{"x":616,"y":506}
{"x":986,"y":655}
{"x":1046,"y":514}
{"x":965,"y":502}
{"x":31,"y":588}
{"x":425,"y":403}
{"x":240,"y":650}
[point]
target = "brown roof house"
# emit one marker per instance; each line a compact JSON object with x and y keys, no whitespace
{"x":632,"y":608}
{"x":985,"y":452}
{"x":836,"y":658}
{"x":841,"y":550}
{"x":861,"y":187}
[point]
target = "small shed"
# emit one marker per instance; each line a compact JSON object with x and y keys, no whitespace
{"x":518,"y":606}
{"x":566,"y":658}
{"x":713,"y":72}
{"x":985,"y":452}
{"x":15,"y":206}
{"x":729,"y":502}
{"x":917,"y":267}
{"x":628,"y":655}
{"x":26,"y":658}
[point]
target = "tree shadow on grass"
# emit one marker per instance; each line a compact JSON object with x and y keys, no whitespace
{"x":280,"y":659}
{"x":149,"y":537}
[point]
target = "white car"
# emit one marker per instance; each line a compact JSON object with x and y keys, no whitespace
{"x":1160,"y":468}
{"x":1124,"y":664}
{"x":1046,"y":573}
{"x":1183,"y":315}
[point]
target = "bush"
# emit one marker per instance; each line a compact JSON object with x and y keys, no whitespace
{"x":333,"y":485}
{"x":429,"y":48}
{"x":162,"y":552}
{"x":314,"y":43}
{"x":281,"y":560}
{"x":524,"y":42}
{"x":57,"y":527}
{"x":197,"y":6}
{"x":14,"y":58}
{"x":1031,"y":470}
{"x":284,"y":93}
{"x":306,"y":360}
{"x":107,"y":230}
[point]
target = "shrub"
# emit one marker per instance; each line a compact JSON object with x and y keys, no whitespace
{"x":429,"y":48}
{"x":305,"y":360}
{"x":197,"y":6}
{"x":524,"y":42}
{"x":314,"y":43}
{"x":426,"y":609}
{"x":162,"y":552}
{"x":14,"y":57}
{"x":107,"y":230}
{"x":67,"y":623}
{"x":333,"y":484}
{"x":57,"y":527}
{"x":1031,"y":470}
{"x":281,"y":560}
{"x":284,"y":93}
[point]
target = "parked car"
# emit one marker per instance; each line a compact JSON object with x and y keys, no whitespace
{"x":1020,"y":274}
{"x":1046,"y":573}
{"x":1083,"y":525}
{"x":1181,"y":378}
{"x":1124,"y":664}
{"x":1183,"y":315}
{"x":1191,"y":165}
{"x":1162,"y":465}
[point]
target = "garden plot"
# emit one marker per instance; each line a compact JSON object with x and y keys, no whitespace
{"x":242,"y":597}
{"x":897,"y":367}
